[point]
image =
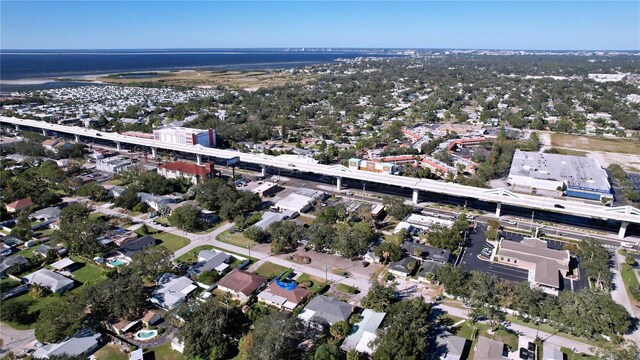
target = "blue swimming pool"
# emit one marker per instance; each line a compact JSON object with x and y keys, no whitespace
{"x":146,"y":334}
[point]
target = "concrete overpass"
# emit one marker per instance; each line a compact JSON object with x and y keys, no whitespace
{"x":623,"y":214}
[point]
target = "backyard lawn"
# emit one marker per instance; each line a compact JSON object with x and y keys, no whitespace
{"x":271,"y":270}
{"x":316,"y":286}
{"x":170,"y":241}
{"x":192,"y":255}
{"x":88,"y":272}
{"x":109,"y":352}
{"x":346,"y":289}
{"x":35,"y":305}
{"x":577,"y":356}
{"x":164,"y":352}
{"x":236,"y":239}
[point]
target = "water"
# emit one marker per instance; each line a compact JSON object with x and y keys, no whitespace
{"x":116,"y":263}
{"x":146,"y":334}
{"x":30,"y":64}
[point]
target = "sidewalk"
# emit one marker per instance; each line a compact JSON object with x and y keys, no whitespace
{"x":527,"y":331}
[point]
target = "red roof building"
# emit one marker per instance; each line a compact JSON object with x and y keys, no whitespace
{"x":177,"y":169}
{"x":241,"y":284}
{"x":282,"y":298}
{"x":19,"y":205}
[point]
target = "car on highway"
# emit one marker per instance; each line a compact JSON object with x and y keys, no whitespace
{"x":558,"y":206}
{"x":511,"y":222}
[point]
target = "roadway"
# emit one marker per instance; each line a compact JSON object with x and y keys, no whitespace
{"x":625,"y":214}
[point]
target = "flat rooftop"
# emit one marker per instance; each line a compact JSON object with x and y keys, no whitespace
{"x":575,"y":171}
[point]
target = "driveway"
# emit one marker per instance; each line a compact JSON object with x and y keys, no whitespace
{"x":14,"y":340}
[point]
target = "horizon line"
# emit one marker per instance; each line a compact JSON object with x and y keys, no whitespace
{"x":305,"y":48}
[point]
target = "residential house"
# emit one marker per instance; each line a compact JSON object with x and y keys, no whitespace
{"x":177,"y":345}
{"x":85,"y":342}
{"x":421,"y":251}
{"x":118,"y":236}
{"x":403,"y":268}
{"x":5,"y":250}
{"x":19,"y":205}
{"x":131,"y":247}
{"x":450,"y":347}
{"x":64,"y":264}
{"x":46,"y":214}
{"x":8,"y":262}
{"x":116,"y":191}
{"x":270,"y":217}
{"x":123,"y":326}
{"x":546,"y":266}
{"x":211,"y":260}
{"x":55,"y":282}
{"x":151,"y":317}
{"x":488,"y":349}
{"x":364,"y":332}
{"x":325,"y":310}
{"x":179,"y":169}
{"x":172,"y":290}
{"x":44,"y":249}
{"x":300,"y":201}
{"x":156,"y":202}
{"x":282,"y":297}
{"x":241,"y":284}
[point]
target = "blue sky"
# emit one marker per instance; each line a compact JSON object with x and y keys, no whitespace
{"x":418,"y":24}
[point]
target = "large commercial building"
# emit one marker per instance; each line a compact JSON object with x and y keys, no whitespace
{"x":546,"y":266}
{"x":578,"y":176}
{"x":186,"y":136}
{"x":178,"y":169}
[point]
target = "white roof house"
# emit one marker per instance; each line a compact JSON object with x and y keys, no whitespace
{"x":62,"y":264}
{"x":365,"y":332}
{"x":172,"y":292}
{"x":77,"y":345}
{"x":47,"y":278}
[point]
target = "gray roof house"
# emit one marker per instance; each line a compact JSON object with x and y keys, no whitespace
{"x":46,"y":214}
{"x":450,"y":347}
{"x":7,"y":262}
{"x":217,"y":261}
{"x":82,"y":343}
{"x":47,"y":278}
{"x":132,"y":247}
{"x":172,"y":290}
{"x":425,"y":251}
{"x":364,"y":332}
{"x":323,"y":310}
{"x":489,"y":349}
{"x":403,"y":268}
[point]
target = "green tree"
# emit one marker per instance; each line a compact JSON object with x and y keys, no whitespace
{"x":151,"y":262}
{"x":60,"y":321}
{"x":128,"y":199}
{"x":75,"y":211}
{"x":406,"y":331}
{"x":396,"y":207}
{"x":16,"y":311}
{"x":255,"y":233}
{"x":186,"y":218}
{"x":285,"y":236}
{"x":379,"y":298}
{"x":276,"y":337}
{"x":93,"y":190}
{"x":339,"y":330}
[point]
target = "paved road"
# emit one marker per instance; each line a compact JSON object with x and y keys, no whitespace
{"x":356,"y":280}
{"x":14,"y":340}
{"x":527,"y":331}
{"x":619,"y":294}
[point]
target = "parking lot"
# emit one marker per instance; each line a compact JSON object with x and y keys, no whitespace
{"x":477,"y":241}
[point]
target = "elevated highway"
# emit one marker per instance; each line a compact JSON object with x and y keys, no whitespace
{"x":624,"y":214}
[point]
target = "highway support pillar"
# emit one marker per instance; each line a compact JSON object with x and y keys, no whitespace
{"x":44,"y":132}
{"x":77,"y":138}
{"x":623,"y":229}
{"x":199,"y":159}
{"x":17,"y":127}
{"x":338,"y":184}
{"x":414,"y":196}
{"x":118,"y":145}
{"x":498,"y":207}
{"x":263,"y":169}
{"x":153,"y":153}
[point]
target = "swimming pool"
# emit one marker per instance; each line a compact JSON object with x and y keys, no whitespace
{"x":117,"y":262}
{"x":146,"y":334}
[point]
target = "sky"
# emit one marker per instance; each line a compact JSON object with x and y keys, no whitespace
{"x":558,"y":25}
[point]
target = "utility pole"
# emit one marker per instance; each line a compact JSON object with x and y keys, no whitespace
{"x":326,"y":275}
